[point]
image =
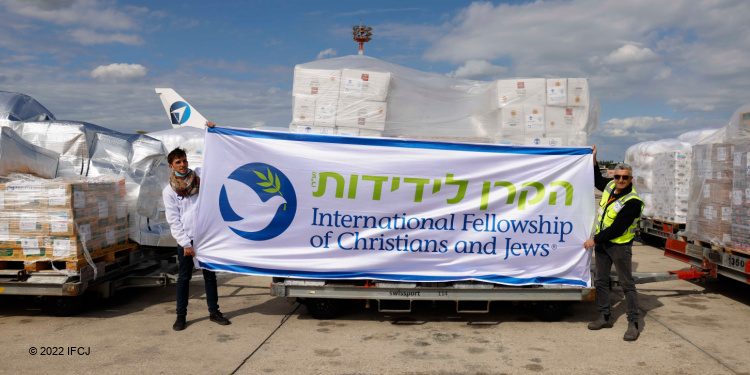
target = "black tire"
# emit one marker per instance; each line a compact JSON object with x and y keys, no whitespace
{"x":324,"y":308}
{"x":63,"y":306}
{"x":551,"y":311}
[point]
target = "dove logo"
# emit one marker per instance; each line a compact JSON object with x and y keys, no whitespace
{"x":179,"y":112}
{"x":263,"y":202}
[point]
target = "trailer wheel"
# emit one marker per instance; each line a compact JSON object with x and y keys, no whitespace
{"x":551,"y":311}
{"x":63,"y":306}
{"x":324,"y":308}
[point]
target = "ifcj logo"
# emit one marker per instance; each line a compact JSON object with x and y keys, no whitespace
{"x":275,"y":192}
{"x":179,"y":112}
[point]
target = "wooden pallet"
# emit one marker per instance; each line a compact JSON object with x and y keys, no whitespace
{"x":730,"y":250}
{"x":668,"y":226}
{"x":111,"y":255}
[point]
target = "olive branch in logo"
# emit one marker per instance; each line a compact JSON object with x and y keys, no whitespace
{"x":270,"y":183}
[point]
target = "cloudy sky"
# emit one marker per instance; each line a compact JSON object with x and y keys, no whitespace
{"x":658,"y":68}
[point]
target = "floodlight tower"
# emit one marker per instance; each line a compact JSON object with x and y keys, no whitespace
{"x":361,"y":34}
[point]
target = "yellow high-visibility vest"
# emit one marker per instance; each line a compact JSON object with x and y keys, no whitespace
{"x":606,"y":218}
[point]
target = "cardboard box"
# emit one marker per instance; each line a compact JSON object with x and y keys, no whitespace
{"x":534,"y":119}
{"x":325,"y":112}
{"x":512,"y":121}
{"x":303,"y":110}
{"x":557,"y":92}
{"x":25,"y":195}
{"x":316,"y":82}
{"x":565,"y":120}
{"x":364,"y":85}
{"x":361,"y":114}
{"x":578,"y":92}
{"x":521,"y":92}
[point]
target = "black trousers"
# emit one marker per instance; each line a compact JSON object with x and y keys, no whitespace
{"x":183,"y":284}
{"x":621,"y":256}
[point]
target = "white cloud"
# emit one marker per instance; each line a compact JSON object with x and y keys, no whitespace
{"x":118,"y":72}
{"x":690,"y":54}
{"x":326,"y":53}
{"x":613,"y":137}
{"x":88,"y":13}
{"x":89,"y":38}
{"x":478,"y":69}
{"x":132,"y":104}
{"x":630,"y":54}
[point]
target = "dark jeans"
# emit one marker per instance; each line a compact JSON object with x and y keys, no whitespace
{"x":183,"y":284}
{"x":621,"y":256}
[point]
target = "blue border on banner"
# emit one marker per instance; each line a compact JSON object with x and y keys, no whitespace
{"x":389,"y":277}
{"x":403,"y":143}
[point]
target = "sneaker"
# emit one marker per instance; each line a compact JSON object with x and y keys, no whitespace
{"x":632,"y":333}
{"x":218,"y":318}
{"x":179,"y":324}
{"x":601,"y":322}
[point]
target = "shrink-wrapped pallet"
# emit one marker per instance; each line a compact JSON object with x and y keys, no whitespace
{"x":709,"y":212}
{"x":671,"y":186}
{"x":61,"y":219}
{"x":740,"y":220}
{"x":432,"y":106}
{"x":642,"y":157}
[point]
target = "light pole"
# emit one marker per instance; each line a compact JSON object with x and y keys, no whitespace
{"x":361,"y":34}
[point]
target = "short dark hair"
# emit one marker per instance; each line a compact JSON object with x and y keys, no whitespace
{"x":176,"y":153}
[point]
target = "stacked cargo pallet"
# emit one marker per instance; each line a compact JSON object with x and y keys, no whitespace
{"x":672,"y":186}
{"x":740,"y":224}
{"x":710,"y":211}
{"x":547,"y":112}
{"x":359,"y":95}
{"x":43,"y":222}
{"x":346,"y":102}
{"x":661,"y":173}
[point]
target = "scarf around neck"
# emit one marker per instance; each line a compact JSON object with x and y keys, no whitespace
{"x":187,"y":187}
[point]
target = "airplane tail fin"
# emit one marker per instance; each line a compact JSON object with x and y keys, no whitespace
{"x":180,"y":113}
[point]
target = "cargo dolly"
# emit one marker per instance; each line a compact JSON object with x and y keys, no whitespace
{"x":325,"y":299}
{"x":62,"y":290}
{"x":707,"y":258}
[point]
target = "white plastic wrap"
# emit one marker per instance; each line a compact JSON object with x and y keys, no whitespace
{"x":671,"y":180}
{"x":401,"y":102}
{"x":65,"y":219}
{"x":717,"y":213}
{"x":659,"y":169}
{"x":697,"y":136}
{"x":740,"y":222}
{"x":19,"y":156}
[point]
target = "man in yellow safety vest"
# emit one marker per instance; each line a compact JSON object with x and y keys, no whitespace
{"x":619,"y":211}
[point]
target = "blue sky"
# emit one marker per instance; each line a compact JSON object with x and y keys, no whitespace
{"x":659,"y":69}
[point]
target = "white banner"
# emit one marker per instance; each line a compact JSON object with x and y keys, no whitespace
{"x":318,"y":206}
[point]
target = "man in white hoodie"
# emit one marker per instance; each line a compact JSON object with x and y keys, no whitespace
{"x":180,"y":201}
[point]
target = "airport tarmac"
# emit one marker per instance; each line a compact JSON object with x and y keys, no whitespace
{"x":688,"y":327}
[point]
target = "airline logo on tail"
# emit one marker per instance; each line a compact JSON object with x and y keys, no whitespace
{"x":180,"y":113}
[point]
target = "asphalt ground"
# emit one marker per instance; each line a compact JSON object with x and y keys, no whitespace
{"x":688,"y":327}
